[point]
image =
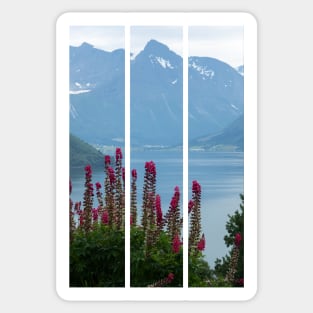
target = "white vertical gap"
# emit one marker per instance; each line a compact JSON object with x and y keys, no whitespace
{"x":127,"y":156}
{"x":185,"y":156}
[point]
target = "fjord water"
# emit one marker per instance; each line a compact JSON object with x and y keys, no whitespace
{"x":220,"y":174}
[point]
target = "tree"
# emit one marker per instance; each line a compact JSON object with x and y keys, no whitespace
{"x":235,"y":230}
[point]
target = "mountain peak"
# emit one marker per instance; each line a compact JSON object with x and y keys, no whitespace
{"x":86,"y":45}
{"x":154,"y":45}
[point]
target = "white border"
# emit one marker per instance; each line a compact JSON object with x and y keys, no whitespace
{"x":62,"y":151}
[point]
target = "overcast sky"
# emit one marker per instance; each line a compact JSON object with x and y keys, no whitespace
{"x":102,"y":37}
{"x":223,"y":43}
{"x":169,"y":35}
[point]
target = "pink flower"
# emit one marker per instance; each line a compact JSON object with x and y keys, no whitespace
{"x":150,"y":168}
{"x":95,"y":214}
{"x":196,"y":188}
{"x":134,"y":174}
{"x":240,"y":282}
{"x":98,"y":185}
{"x":107,"y":160}
{"x":118,"y":154}
{"x":177,"y":193}
{"x":158,"y":208}
{"x":88,"y":170}
{"x":111,"y":175}
{"x":90,"y":188}
{"x":175,"y":198}
{"x":238,"y":239}
{"x":176,"y":244}
{"x":174,"y":202}
{"x":123,"y":174}
{"x":105,"y":218}
{"x":190,"y":206}
{"x":201,"y":243}
{"x":170,"y":277}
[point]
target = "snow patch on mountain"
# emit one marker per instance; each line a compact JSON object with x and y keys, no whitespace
{"x":234,"y":107}
{"x":77,"y":92}
{"x":203,"y":70}
{"x":164,"y":63}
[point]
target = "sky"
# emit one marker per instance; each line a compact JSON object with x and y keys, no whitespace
{"x":223,"y":43}
{"x":102,"y":37}
{"x":169,"y":35}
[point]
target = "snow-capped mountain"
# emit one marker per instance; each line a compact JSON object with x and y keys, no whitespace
{"x":156,"y":87}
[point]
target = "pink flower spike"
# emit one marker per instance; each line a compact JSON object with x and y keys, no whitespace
{"x":201,"y":243}
{"x":111,"y":175}
{"x":118,"y":154}
{"x":158,"y":210}
{"x":134,"y":174}
{"x":105,"y":218}
{"x":176,"y":244}
{"x":150,"y":168}
{"x":190,"y":206}
{"x":88,"y":170}
{"x":123,"y":174}
{"x":95,"y":214}
{"x":196,"y":188}
{"x":170,"y":277}
{"x":238,"y":239}
{"x":107,"y":160}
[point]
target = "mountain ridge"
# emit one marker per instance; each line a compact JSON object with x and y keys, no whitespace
{"x":97,"y":103}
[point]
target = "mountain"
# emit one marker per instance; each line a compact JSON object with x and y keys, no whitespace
{"x":82,"y":154}
{"x":230,"y":138}
{"x":156,"y":96}
{"x":215,"y":95}
{"x":241,"y":70}
{"x":156,"y":89}
{"x":97,"y":94}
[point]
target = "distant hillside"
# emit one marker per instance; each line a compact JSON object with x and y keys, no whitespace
{"x":229,"y":139}
{"x":82,"y":154}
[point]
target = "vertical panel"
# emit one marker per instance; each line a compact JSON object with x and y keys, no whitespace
{"x":216,"y":137}
{"x":97,"y":136}
{"x":156,"y":156}
{"x":185,"y":151}
{"x":127,"y":155}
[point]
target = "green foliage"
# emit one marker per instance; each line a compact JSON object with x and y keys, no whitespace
{"x":97,"y":258}
{"x":199,"y":272}
{"x":161,"y":260}
{"x":234,"y":225}
{"x":82,"y":153}
{"x":97,"y":247}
